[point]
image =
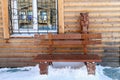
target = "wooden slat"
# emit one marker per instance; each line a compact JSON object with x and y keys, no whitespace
{"x":67,"y":58}
{"x":93,"y":25}
{"x":16,"y":55}
{"x":28,"y":45}
{"x":67,"y":42}
{"x":77,"y":51}
{"x":17,"y":64}
{"x":75,"y":20}
{"x":21,"y":40}
{"x":76,"y":42}
{"x":95,"y":4}
{"x":22,"y":51}
{"x":91,"y":0}
{"x":32,"y":53}
{"x":15,"y":60}
{"x":93,"y":14}
{"x":69,"y":36}
{"x":92,"y":9}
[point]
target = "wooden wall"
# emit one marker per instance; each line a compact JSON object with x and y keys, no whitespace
{"x":104,"y":18}
{"x":1,"y":21}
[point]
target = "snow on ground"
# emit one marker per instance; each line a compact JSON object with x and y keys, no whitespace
{"x":32,"y":73}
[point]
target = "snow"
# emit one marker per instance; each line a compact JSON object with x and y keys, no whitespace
{"x":32,"y":73}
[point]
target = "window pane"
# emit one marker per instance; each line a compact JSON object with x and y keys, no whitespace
{"x":33,"y":16}
{"x":47,"y":14}
{"x":25,"y":14}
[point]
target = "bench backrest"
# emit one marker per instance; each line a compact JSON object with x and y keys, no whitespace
{"x":53,"y":40}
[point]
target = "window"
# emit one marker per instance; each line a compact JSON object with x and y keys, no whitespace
{"x":33,"y":16}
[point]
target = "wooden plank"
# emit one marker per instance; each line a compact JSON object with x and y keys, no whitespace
{"x":93,"y":31}
{"x":94,"y":14}
{"x":91,"y":4}
{"x":1,"y":15}
{"x":5,"y":19}
{"x":69,"y":36}
{"x":23,"y":51}
{"x":21,"y":40}
{"x":77,"y":51}
{"x":92,"y":9}
{"x":61,"y":15}
{"x":32,"y":46}
{"x":6,"y":60}
{"x":91,"y":0}
{"x":112,"y":64}
{"x":17,"y":64}
{"x":94,"y":25}
{"x":75,"y":20}
{"x":76,"y":42}
{"x":67,"y":58}
{"x":17,"y":55}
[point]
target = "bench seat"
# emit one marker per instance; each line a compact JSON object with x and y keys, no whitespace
{"x":67,"y":58}
{"x":45,"y":59}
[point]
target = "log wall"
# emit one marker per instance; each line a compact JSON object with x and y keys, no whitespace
{"x":104,"y":18}
{"x":1,"y":21}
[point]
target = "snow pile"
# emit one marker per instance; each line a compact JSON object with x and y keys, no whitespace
{"x":32,"y":73}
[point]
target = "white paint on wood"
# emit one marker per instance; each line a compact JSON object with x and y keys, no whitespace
{"x":14,"y":14}
{"x":35,"y":18}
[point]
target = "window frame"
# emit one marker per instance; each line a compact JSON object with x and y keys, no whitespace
{"x":35,"y":21}
{"x":6,"y":21}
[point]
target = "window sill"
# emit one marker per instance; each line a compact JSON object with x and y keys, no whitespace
{"x":22,"y":35}
{"x":31,"y":34}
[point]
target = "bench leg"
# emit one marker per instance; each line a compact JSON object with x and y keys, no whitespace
{"x":43,"y":66}
{"x":91,"y":67}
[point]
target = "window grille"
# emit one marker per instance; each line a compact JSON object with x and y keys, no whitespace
{"x":33,"y":16}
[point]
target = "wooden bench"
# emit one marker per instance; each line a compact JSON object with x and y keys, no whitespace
{"x":69,"y":42}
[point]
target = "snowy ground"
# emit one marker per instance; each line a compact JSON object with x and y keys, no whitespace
{"x":32,"y":73}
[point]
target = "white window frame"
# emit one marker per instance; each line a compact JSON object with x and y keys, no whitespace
{"x":35,"y":24}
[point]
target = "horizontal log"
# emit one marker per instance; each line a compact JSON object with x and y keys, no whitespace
{"x":92,"y":31}
{"x":25,"y":52}
{"x":17,"y":55}
{"x":111,"y":59}
{"x":91,"y":4}
{"x":21,"y":51}
{"x":103,"y":30}
{"x":27,"y":57}
{"x":2,"y":41}
{"x":1,"y":26}
{"x":17,"y":64}
{"x":91,"y":0}
{"x":112,"y":64}
{"x":77,"y":51}
{"x":19,"y":45}
{"x":96,"y":14}
{"x":93,"y":9}
{"x":1,"y":37}
{"x":76,"y":20}
{"x":110,"y":40}
{"x":26,"y":46}
{"x":6,"y":60}
{"x":105,"y":25}
{"x":21,"y":40}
